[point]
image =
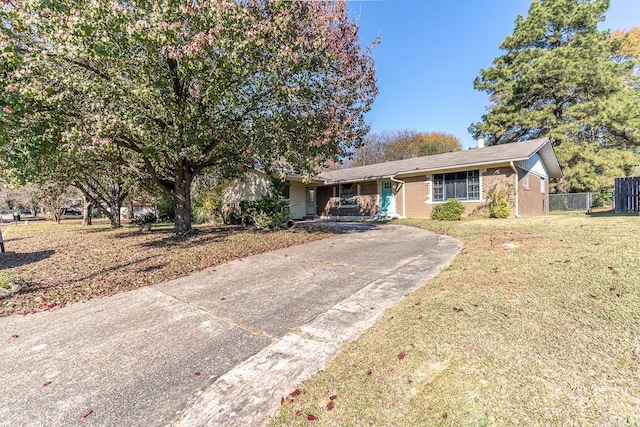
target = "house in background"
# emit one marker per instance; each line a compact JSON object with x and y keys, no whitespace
{"x":410,"y":188}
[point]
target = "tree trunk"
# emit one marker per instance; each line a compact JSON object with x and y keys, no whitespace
{"x":130,"y":214}
{"x":86,"y":213}
{"x":113,"y":213}
{"x":182,"y":198}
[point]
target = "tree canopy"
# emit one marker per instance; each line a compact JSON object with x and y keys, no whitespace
{"x":561,"y":77}
{"x":631,"y":41}
{"x":185,"y":86}
{"x":402,"y":144}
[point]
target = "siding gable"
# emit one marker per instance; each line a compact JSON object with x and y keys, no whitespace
{"x":535,"y":165}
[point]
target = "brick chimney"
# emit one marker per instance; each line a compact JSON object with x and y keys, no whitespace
{"x":481,"y":141}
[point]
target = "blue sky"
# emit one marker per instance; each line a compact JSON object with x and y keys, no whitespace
{"x":431,"y":51}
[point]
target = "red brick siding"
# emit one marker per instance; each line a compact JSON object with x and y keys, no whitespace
{"x":367,"y":206}
{"x":417,"y":193}
{"x":532,"y":202}
{"x":489,"y":178}
{"x":501,"y":178}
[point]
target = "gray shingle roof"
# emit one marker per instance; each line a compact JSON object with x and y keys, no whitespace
{"x":482,"y":156}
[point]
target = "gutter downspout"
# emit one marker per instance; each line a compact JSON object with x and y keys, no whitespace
{"x":515,"y":170}
{"x":404,"y":199}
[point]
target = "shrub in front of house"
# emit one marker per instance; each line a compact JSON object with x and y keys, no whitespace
{"x":451,"y":210}
{"x":498,"y":202}
{"x":266,"y":213}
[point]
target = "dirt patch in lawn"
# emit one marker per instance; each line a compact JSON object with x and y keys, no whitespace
{"x":491,"y":243}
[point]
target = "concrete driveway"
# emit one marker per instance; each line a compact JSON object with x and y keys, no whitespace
{"x":219,"y":347}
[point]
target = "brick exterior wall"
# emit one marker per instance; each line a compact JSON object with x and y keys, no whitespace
{"x":327,"y":204}
{"x":416,"y":192}
{"x":502,"y":177}
{"x":415,"y":195}
{"x":323,"y":199}
{"x":533,"y":194}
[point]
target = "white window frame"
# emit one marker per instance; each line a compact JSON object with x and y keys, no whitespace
{"x":432,"y":189}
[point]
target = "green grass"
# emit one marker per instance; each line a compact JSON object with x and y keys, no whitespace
{"x":57,"y":264}
{"x":6,"y":280}
{"x":536,"y":322}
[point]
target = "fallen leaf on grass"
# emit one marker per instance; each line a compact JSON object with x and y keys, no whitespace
{"x":330,"y":405}
{"x":14,"y":336}
{"x":295,"y":393}
{"x":86,"y":414}
{"x":284,"y":402}
{"x":197,"y":374}
{"x":334,"y":397}
{"x":311,"y":417}
{"x":593,"y":296}
{"x":46,"y":384}
{"x":298,"y":413}
{"x":401,"y":355}
{"x":458,"y":309}
{"x":613,"y":270}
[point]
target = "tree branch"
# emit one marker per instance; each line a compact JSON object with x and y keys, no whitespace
{"x":165,"y":184}
{"x":177,"y":85}
{"x":86,"y":66}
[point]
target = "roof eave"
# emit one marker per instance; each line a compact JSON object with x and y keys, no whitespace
{"x":359,"y":179}
{"x":461,"y":166}
{"x":548,"y":155}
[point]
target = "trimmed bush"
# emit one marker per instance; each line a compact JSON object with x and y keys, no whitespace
{"x":451,"y":210}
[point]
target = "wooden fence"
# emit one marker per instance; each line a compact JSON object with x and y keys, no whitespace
{"x":627,"y":195}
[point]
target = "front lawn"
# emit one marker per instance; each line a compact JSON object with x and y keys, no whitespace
{"x":56,"y":264}
{"x":536,"y":322}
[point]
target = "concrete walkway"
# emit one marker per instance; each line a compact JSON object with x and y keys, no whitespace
{"x":216,"y":348}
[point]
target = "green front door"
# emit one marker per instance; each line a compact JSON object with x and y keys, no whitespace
{"x":386,"y":205}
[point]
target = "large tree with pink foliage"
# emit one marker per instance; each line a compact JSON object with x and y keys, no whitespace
{"x":186,"y":85}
